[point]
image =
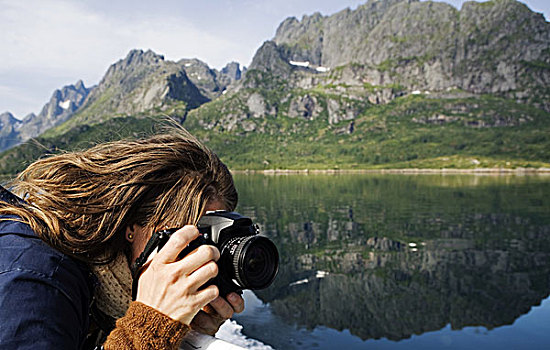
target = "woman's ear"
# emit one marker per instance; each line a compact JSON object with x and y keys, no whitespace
{"x":131,"y":232}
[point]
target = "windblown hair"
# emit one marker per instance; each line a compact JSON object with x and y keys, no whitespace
{"x":81,"y":202}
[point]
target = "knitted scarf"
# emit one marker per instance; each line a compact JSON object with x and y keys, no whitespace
{"x":114,"y":293}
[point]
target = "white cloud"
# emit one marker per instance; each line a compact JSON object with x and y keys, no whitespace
{"x":45,"y":35}
{"x":59,"y":35}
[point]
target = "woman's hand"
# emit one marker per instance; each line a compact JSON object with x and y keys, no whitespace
{"x":171,"y":286}
{"x":213,"y":315}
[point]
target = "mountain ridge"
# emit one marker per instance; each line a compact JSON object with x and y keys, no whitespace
{"x":431,"y":46}
{"x":140,"y":82}
{"x":61,"y":106}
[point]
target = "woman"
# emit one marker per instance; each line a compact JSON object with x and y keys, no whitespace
{"x":86,"y":216}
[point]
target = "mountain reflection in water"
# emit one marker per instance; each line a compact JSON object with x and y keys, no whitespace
{"x":391,"y":256}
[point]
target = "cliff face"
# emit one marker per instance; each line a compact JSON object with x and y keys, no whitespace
{"x":333,"y":40}
{"x":498,"y":47}
{"x":211,"y":82}
{"x":137,"y":83}
{"x":63,"y":104}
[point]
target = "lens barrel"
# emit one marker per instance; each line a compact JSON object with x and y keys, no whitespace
{"x":255,"y":261}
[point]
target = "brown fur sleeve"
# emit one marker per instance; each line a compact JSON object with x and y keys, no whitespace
{"x":145,"y":328}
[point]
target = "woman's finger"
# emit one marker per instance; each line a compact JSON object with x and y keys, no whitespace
{"x":236,"y":301}
{"x":219,"y":308}
{"x":206,"y":323}
{"x":202,"y":275}
{"x":198,"y":258}
{"x":176,"y":243}
{"x":206,"y":295}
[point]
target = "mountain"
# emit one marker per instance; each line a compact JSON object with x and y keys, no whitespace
{"x":391,"y":84}
{"x":211,"y":82}
{"x":133,"y":89}
{"x":62,"y":105}
{"x":498,"y":47}
{"x":144,"y":83}
{"x":140,"y":82}
{"x":9,"y":134}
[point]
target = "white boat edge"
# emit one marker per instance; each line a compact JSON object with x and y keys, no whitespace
{"x":194,"y":341}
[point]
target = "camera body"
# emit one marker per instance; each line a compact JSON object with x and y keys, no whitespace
{"x":247,"y":260}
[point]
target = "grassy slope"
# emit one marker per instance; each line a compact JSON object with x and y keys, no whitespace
{"x":386,"y":136}
{"x":81,"y":137}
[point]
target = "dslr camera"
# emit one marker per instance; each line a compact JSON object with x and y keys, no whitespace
{"x":247,"y":260}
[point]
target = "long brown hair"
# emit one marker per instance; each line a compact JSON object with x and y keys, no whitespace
{"x":81,"y":202}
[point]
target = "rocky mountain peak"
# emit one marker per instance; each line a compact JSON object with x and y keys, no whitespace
{"x":292,"y":27}
{"x":498,"y":46}
{"x":210,"y":81}
{"x":272,"y":58}
{"x":28,"y":118}
{"x":138,"y":57}
{"x":79,"y":85}
{"x":232,"y":70}
{"x":9,"y":126}
{"x":137,"y":63}
{"x":7,"y":118}
{"x":201,"y":75}
{"x":61,"y":106}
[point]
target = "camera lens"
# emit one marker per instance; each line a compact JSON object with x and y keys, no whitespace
{"x":255,"y":261}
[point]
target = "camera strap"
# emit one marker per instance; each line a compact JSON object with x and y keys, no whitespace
{"x":156,"y":242}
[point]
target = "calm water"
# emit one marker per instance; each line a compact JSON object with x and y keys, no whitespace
{"x":398,"y":261}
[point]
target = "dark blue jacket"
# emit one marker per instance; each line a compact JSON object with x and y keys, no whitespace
{"x":44,"y":294}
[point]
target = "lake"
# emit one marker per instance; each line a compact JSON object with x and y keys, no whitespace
{"x":402,"y":261}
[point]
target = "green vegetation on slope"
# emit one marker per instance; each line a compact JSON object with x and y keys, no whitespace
{"x":81,"y":137}
{"x":413,"y":131}
{"x":416,"y":131}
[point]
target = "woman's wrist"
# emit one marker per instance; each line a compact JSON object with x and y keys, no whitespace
{"x":148,"y":328}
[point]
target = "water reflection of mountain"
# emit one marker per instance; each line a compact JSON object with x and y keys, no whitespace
{"x":405,"y":259}
{"x":400,"y":292}
{"x":437,"y":289}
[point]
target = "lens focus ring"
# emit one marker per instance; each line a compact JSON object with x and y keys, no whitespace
{"x":255,"y":261}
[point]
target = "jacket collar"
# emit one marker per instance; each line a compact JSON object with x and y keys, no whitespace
{"x":11,"y":224}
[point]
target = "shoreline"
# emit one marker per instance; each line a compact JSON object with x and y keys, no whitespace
{"x":450,"y":171}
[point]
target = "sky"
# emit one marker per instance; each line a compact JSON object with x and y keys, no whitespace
{"x":47,"y":44}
